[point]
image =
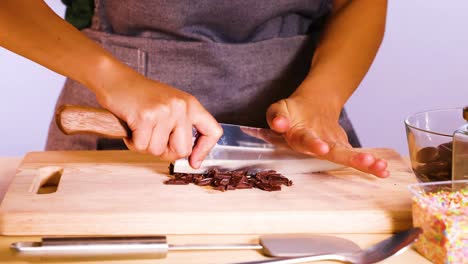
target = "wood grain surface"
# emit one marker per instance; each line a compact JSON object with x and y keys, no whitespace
{"x":8,"y":167}
{"x":72,"y":119}
{"x":122,"y":193}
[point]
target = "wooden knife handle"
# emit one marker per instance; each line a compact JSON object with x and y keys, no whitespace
{"x":72,"y":119}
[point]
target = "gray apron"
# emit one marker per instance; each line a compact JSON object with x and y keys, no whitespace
{"x":236,"y":57}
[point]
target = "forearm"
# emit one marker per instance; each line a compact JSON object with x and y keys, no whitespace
{"x":31,"y":29}
{"x":346,"y":50}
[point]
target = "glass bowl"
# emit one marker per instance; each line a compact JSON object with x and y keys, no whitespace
{"x":429,"y":135}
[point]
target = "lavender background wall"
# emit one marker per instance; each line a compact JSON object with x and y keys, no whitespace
{"x":422,"y":64}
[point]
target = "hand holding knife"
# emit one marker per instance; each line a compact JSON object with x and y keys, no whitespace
{"x":238,"y":147}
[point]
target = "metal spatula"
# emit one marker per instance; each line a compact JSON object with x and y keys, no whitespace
{"x":284,"y":245}
{"x":376,"y":253}
{"x":240,"y":147}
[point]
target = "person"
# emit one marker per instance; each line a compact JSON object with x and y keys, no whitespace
{"x":165,"y":67}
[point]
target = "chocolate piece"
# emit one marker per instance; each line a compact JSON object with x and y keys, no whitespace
{"x":197,"y":178}
{"x":427,"y":154}
{"x":445,"y":151}
{"x":215,"y":182}
{"x":435,"y":163}
{"x":222,"y":176}
{"x":441,"y":175}
{"x":177,"y":182}
{"x":435,"y":171}
{"x":204,"y":182}
{"x":244,"y":184}
{"x":268,"y":187}
{"x":223,"y":181}
{"x":433,"y":167}
{"x":236,"y":179}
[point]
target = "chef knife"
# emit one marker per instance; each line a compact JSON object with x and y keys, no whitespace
{"x":240,"y":147}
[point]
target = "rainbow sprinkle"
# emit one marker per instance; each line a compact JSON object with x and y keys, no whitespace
{"x":443,"y":215}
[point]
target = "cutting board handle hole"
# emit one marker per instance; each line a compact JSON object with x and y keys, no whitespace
{"x":47,"y":180}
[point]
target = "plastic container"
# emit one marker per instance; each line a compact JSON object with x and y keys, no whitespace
{"x":441,"y":210}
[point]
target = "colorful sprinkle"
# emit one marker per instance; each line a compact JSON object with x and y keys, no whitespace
{"x":443,"y":215}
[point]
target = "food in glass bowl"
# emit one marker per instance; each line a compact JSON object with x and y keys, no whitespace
{"x":430,"y":136}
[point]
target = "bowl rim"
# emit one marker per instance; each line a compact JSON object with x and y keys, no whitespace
{"x":429,"y":111}
{"x":437,"y":183}
{"x":415,"y":189}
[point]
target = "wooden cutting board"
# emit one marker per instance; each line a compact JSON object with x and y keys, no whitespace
{"x":122,"y":193}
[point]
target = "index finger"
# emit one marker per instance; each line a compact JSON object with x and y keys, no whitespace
{"x":362,"y":161}
{"x":209,"y":131}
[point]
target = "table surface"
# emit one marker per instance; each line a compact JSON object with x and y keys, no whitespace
{"x":8,"y":167}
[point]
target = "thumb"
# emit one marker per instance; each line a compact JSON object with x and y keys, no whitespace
{"x":278,"y":117}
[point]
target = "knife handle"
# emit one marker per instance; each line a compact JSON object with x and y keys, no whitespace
{"x":72,"y":119}
{"x":148,"y":246}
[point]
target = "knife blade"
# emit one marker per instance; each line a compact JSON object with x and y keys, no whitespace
{"x":239,"y":148}
{"x":255,"y":149}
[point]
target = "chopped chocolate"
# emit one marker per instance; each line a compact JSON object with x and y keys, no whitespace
{"x":198,"y":178}
{"x":244,"y":185}
{"x":239,"y":179}
{"x":222,"y":176}
{"x":268,"y":187}
{"x":235,"y":179}
{"x":204,"y":182}
{"x":177,"y":182}
{"x":224,"y":181}
{"x":215,"y":182}
{"x":278,"y":180}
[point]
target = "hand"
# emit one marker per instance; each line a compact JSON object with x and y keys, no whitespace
{"x":314,"y":129}
{"x":160,"y":118}
{"x":266,"y":135}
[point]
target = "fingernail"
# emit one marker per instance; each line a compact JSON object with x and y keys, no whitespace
{"x":386,"y":174}
{"x":324,"y":148}
{"x":198,"y":164}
